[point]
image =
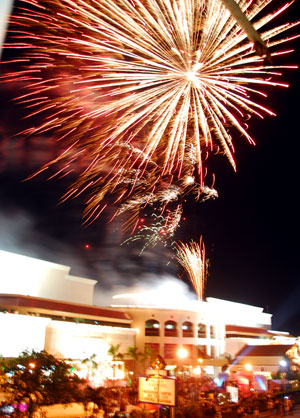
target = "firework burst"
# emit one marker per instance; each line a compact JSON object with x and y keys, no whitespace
{"x":192,"y":258}
{"x":142,"y":91}
{"x":160,"y":229}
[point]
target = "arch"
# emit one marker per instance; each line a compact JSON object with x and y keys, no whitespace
{"x":187,"y":329}
{"x":152,"y":327}
{"x":170,"y":329}
{"x":201,"y":330}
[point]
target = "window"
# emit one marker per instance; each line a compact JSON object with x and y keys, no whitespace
{"x":170,"y":329}
{"x":187,"y":329}
{"x":201,"y":331}
{"x":152,"y":328}
{"x":213,"y":351}
{"x":152,"y":348}
{"x":212,"y":332}
{"x":170,"y":351}
{"x":201,"y":351}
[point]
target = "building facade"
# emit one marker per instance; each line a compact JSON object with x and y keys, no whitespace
{"x":43,"y":307}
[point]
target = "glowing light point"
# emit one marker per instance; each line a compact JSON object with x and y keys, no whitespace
{"x":182,"y":353}
{"x":191,"y":76}
{"x":248,"y":367}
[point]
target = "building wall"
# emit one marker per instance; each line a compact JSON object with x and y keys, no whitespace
{"x":234,"y":313}
{"x":234,"y":345}
{"x":213,"y":345}
{"x":20,"y":333}
{"x":62,"y":339}
{"x":80,"y":341}
{"x":259,"y":364}
{"x":5,"y":9}
{"x":34,"y":277}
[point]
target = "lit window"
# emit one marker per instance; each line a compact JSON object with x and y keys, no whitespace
{"x":170,"y":329}
{"x":152,"y":328}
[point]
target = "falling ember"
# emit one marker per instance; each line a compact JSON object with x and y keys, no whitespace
{"x":140,"y":93}
{"x":192,"y":258}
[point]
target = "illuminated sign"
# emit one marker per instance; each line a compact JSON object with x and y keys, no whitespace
{"x":233,"y":392}
{"x":158,"y":390}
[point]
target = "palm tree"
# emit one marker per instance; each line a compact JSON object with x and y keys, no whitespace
{"x":147,"y":354}
{"x":92,"y":365}
{"x":114,"y":352}
{"x":229,"y":360}
{"x":134,"y":354}
{"x":116,"y":355}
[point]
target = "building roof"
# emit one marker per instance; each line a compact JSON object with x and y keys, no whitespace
{"x":249,"y":330}
{"x":34,"y":305}
{"x":275,"y":350}
{"x":236,"y":331}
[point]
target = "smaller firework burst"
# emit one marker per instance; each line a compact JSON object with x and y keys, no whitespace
{"x":192,"y":258}
{"x":161,"y":229}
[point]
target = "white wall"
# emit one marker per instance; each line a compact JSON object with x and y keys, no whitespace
{"x":21,"y":332}
{"x":33,"y":277}
{"x":5,"y":9}
{"x":234,"y":313}
{"x":80,"y":341}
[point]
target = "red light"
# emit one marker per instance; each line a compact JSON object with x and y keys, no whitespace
{"x":87,"y":246}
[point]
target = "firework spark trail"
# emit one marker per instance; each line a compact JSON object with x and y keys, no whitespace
{"x":192,"y":258}
{"x":133,"y":86}
{"x":161,"y":229}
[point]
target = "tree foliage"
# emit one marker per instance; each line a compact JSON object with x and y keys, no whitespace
{"x":114,"y":352}
{"x":38,"y":379}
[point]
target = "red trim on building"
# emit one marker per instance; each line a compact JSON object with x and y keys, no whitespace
{"x":21,"y":301}
{"x":251,"y":330}
{"x":264,"y":350}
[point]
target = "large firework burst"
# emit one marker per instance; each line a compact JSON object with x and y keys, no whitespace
{"x":142,"y":91}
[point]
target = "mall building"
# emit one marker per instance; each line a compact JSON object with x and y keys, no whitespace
{"x":44,"y":307}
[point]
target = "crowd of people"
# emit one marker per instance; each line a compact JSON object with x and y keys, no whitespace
{"x":200,"y":398}
{"x":196,"y":398}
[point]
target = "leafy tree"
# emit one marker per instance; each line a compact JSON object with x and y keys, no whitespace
{"x":2,"y":371}
{"x":38,"y":379}
{"x":229,"y":360}
{"x":92,"y":365}
{"x":147,"y":355}
{"x":114,"y":352}
{"x":134,"y":354}
{"x":97,"y":397}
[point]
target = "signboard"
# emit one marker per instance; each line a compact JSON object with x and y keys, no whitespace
{"x":158,"y":390}
{"x":233,"y":392}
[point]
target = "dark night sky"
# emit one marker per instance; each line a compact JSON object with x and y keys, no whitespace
{"x":251,"y":231}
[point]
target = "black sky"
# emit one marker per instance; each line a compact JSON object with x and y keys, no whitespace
{"x":251,"y":231}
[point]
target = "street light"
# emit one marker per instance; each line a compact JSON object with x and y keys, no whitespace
{"x":182,"y":353}
{"x":283,"y":363}
{"x":248,"y":367}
